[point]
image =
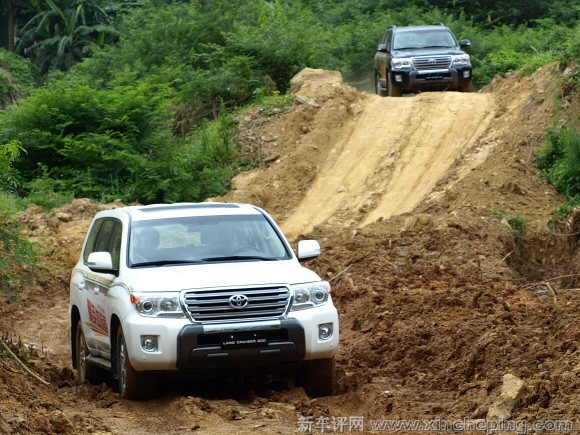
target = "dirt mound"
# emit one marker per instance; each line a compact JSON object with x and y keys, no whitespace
{"x":416,"y":202}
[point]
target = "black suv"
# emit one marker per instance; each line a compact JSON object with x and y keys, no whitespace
{"x":414,"y":58}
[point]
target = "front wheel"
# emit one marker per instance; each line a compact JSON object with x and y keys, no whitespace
{"x":132,"y":384}
{"x":86,"y":372}
{"x":393,"y":91}
{"x":319,"y":378}
{"x":380,"y":91}
{"x":467,"y":86}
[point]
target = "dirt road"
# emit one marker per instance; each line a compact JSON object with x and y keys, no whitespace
{"x":390,"y":157}
{"x":409,"y":198}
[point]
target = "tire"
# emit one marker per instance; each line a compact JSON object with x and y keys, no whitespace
{"x":318,"y":377}
{"x":467,"y":86}
{"x":86,"y":372}
{"x":392,"y":90}
{"x":132,"y":385}
{"x":380,"y":91}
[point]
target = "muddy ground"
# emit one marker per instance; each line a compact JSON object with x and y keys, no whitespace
{"x":443,"y":305}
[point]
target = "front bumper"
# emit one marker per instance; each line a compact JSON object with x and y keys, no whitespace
{"x":184,"y":345}
{"x":282,"y":342}
{"x":413,"y":80}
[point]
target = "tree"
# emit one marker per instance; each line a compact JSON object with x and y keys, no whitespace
{"x":9,"y":11}
{"x":63,"y":33}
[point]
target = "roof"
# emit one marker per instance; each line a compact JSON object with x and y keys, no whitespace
{"x":161,"y":211}
{"x":420,"y":28}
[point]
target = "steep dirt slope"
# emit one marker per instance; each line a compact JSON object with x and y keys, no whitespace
{"x":439,"y":300}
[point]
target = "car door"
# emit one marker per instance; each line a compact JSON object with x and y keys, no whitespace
{"x":105,"y":236}
{"x":382,"y":56}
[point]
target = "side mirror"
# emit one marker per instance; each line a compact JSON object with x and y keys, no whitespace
{"x":382,"y":48}
{"x":101,"y":262}
{"x":465,"y":43}
{"x":308,"y":249}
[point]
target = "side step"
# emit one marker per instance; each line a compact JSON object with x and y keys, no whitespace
{"x":98,"y":361}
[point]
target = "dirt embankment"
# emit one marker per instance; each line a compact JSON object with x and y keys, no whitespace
{"x":439,"y":298}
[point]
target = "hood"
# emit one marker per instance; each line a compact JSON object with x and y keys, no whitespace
{"x":428,"y":52}
{"x":230,"y":274}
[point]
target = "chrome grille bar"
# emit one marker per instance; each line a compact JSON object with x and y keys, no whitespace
{"x":214,"y":304}
{"x":432,"y":62}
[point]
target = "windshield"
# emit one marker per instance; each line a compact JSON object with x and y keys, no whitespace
{"x":188,"y":240}
{"x":418,"y":39}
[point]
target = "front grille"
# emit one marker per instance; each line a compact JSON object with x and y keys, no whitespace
{"x":214,"y":304}
{"x":432,"y":62}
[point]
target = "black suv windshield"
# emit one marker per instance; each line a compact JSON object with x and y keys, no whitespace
{"x":418,"y":39}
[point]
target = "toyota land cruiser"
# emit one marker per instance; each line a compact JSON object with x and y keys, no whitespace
{"x":414,"y":58}
{"x":196,"y":287}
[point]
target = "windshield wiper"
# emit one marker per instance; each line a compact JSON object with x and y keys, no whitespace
{"x":239,"y":257}
{"x":166,"y":263}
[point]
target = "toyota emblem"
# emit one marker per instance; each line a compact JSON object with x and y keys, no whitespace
{"x":239,"y":301}
{"x":432,"y":61}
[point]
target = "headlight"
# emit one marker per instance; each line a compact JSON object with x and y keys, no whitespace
{"x":157,"y":305}
{"x":401,"y":63}
{"x":460,"y":60}
{"x":310,"y":295}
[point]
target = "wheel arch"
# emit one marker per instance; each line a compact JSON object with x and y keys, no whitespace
{"x":115,"y":325}
{"x":75,"y":319}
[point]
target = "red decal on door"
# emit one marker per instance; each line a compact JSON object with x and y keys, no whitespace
{"x":97,"y":317}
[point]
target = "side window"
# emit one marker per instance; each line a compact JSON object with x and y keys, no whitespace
{"x":92,"y":239}
{"x":105,"y":236}
{"x":388,"y":39}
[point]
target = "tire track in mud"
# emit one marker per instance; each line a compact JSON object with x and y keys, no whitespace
{"x":391,"y":157}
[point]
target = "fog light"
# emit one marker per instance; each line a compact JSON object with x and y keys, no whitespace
{"x":149,"y":343}
{"x":325,"y":331}
{"x":466,"y":74}
{"x":398,"y":78}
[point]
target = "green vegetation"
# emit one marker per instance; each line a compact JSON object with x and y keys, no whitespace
{"x":516,"y":223}
{"x":18,"y":258}
{"x":137,"y":98}
{"x":17,"y":77}
{"x":559,"y":161}
{"x":518,"y":226}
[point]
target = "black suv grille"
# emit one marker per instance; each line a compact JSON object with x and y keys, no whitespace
{"x":220,"y":304}
{"x":432,"y":62}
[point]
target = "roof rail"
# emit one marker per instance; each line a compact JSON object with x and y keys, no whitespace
{"x":438,"y":24}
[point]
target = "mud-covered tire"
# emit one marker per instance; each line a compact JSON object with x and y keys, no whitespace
{"x":392,"y":90}
{"x":132,"y":385}
{"x":86,"y":372}
{"x":380,"y":91}
{"x":319,"y":377}
{"x":467,"y":86}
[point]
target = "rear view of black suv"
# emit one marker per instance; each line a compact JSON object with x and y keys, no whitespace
{"x":415,"y":58}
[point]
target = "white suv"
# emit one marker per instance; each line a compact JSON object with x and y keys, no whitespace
{"x":197,"y":286}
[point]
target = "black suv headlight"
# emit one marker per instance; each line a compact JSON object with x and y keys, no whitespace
{"x":461,"y":60}
{"x":404,"y":63}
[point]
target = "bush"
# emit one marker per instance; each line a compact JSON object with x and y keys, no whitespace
{"x":91,"y":143}
{"x":18,"y":256}
{"x":17,"y":78}
{"x":559,"y":160}
{"x":9,"y":152}
{"x":109,"y":144}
